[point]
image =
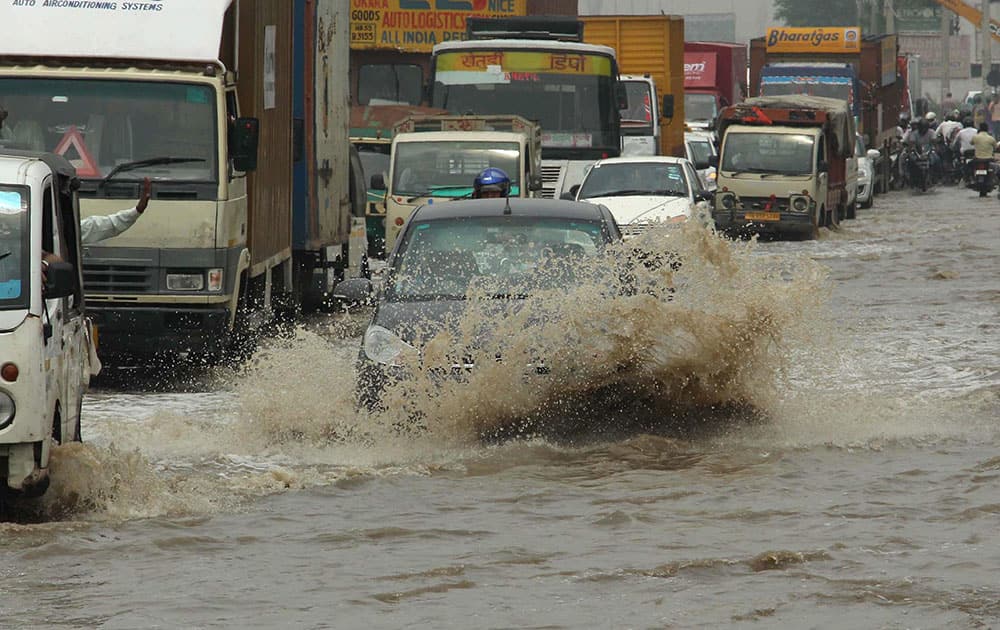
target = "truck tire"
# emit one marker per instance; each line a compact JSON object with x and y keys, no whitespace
{"x":852,"y":210}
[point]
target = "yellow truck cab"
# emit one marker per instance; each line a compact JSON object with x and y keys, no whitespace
{"x":47,"y":355}
{"x":436,"y":159}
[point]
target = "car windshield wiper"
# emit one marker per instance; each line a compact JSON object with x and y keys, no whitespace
{"x":618,"y":193}
{"x":157,"y":161}
{"x":430,"y":192}
{"x":671,"y":193}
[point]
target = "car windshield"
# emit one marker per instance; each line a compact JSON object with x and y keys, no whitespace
{"x":503,"y":256}
{"x":635,"y":178}
{"x":787,"y":154}
{"x":699,"y":107}
{"x":98,"y":125}
{"x":449,"y":168}
{"x":14,"y":247}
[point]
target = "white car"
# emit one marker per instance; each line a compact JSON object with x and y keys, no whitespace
{"x":866,"y":172}
{"x":643,"y":192}
{"x":700,"y":147}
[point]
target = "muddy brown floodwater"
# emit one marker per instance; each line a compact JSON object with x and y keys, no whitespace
{"x":862,"y":491}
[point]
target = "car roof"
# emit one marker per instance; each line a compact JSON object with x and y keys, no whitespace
{"x":643,"y":159}
{"x":543,"y":208}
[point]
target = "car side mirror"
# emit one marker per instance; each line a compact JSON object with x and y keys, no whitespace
{"x":667,"y":110}
{"x":246,"y":137}
{"x":822,"y":167}
{"x":534,"y":183}
{"x":621,"y":95}
{"x":60,"y":280}
{"x":354,"y":290}
{"x":567,"y":196}
{"x":703,"y":196}
{"x":713,"y":161}
{"x":377,"y":182}
{"x":702,"y":164}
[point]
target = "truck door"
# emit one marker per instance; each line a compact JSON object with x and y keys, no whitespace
{"x":822,"y":168}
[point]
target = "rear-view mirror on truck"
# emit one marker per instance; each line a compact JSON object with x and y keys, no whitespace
{"x":59,"y":280}
{"x":621,"y":95}
{"x":246,"y":135}
{"x":713,"y":161}
{"x":667,"y":110}
{"x":377,"y":182}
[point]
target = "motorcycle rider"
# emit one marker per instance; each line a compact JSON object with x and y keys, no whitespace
{"x":985,"y":146}
{"x":945,"y":137}
{"x":932,"y":121}
{"x":920,"y":139}
{"x":962,"y":146}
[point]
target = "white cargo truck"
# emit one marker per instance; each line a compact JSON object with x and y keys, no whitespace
{"x":127,"y":91}
{"x":47,"y":355}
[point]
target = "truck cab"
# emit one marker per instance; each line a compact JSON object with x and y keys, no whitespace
{"x":437,"y":159}
{"x":47,"y":353}
{"x":641,"y":131}
{"x":783,"y":166}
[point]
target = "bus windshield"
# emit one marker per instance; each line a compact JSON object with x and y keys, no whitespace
{"x":100,"y":124}
{"x":570,"y":94}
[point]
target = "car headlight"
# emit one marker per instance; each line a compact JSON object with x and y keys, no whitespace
{"x":215,"y":277}
{"x":800,"y":203}
{"x":185,"y":281}
{"x":383,"y":346}
{"x":7,"y":409}
{"x":727,"y":201}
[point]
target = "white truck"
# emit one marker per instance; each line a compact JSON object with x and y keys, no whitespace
{"x":437,"y":158}
{"x":641,"y":131}
{"x":46,"y":341}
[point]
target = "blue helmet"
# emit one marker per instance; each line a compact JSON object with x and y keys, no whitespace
{"x":492,"y":179}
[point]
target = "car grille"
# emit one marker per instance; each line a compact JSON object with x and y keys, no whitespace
{"x":635,"y":229}
{"x":760,"y":203}
{"x":550,"y":179}
{"x":117,"y":279}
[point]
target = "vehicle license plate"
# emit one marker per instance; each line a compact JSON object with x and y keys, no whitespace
{"x":763,"y":216}
{"x":980,"y":172}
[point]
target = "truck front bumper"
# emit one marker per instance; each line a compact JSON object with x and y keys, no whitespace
{"x":736,"y":221}
{"x":156,"y":329}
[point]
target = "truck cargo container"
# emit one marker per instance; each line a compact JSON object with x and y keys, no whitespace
{"x":328,"y":202}
{"x":715,"y":76}
{"x":134,"y":100}
{"x":834,"y":62}
{"x":651,"y":46}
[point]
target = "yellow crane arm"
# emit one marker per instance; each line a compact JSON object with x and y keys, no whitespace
{"x":971,"y":14}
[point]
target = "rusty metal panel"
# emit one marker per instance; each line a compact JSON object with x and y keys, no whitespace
{"x":330,"y":205}
{"x":263,"y":62}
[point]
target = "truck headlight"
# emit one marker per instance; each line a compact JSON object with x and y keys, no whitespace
{"x":799,"y":203}
{"x":727,"y":201}
{"x":7,"y":409}
{"x":185,"y":281}
{"x":383,"y":346}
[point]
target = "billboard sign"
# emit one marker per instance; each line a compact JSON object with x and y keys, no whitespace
{"x":699,"y":69}
{"x":417,"y":25}
{"x":833,"y":39}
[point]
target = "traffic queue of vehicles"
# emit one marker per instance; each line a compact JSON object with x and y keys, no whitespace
{"x":226,"y":244}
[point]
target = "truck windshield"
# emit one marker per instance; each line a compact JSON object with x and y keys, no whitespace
{"x":374,"y":159}
{"x":98,"y":125}
{"x":700,"y":107}
{"x":390,"y":83}
{"x":637,"y":118}
{"x":14,"y":247}
{"x":764,"y":152}
{"x":449,"y":168}
{"x":830,"y":87}
{"x":570,"y":94}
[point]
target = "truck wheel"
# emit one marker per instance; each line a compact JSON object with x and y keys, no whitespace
{"x":852,"y":210}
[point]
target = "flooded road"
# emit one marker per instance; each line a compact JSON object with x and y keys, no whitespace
{"x":866,"y":492}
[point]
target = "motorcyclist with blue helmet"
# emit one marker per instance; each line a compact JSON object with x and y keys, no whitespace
{"x":491,"y":183}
